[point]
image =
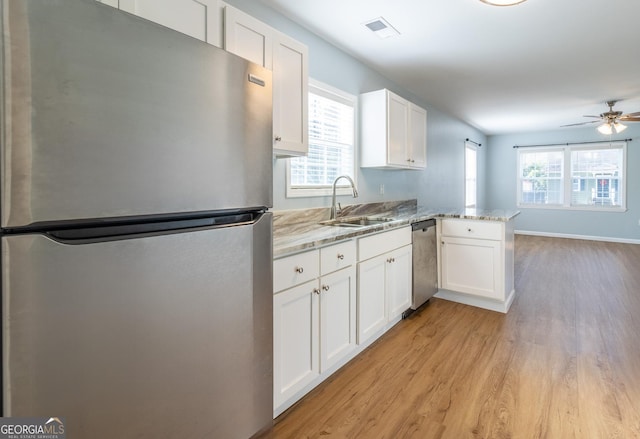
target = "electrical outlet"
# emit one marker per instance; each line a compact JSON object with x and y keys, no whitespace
{"x":381,"y":189}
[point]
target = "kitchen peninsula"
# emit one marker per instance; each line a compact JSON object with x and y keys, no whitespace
{"x":339,"y":287}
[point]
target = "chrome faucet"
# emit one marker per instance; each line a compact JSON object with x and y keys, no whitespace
{"x":333,"y":198}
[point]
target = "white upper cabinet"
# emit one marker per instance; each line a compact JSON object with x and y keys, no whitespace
{"x":251,"y":39}
{"x":201,"y":19}
{"x":417,"y":136}
{"x":394,"y":132}
{"x":290,"y":97}
{"x":247,"y":37}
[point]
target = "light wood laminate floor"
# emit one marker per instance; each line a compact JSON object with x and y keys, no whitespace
{"x":563,"y":363}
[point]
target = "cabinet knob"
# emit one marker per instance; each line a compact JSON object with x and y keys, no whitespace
{"x":278,"y":139}
{"x":316,"y":291}
{"x":299,"y":270}
{"x":469,"y":229}
{"x":340,"y":256}
{"x":325,"y":287}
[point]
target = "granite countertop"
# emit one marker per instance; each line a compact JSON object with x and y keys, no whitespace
{"x":297,"y":230}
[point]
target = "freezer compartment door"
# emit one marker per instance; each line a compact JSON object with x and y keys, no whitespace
{"x":109,"y":115}
{"x":162,"y":336}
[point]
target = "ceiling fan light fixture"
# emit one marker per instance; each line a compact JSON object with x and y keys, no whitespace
{"x":609,"y":128}
{"x":618,"y":127}
{"x":502,"y":2}
{"x":606,"y":129}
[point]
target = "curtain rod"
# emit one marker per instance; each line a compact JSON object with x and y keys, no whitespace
{"x":573,"y":143}
{"x":475,"y":143}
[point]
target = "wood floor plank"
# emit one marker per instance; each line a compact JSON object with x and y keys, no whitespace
{"x":563,"y":363}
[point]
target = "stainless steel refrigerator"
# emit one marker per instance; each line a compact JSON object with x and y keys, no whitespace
{"x":136,"y":238}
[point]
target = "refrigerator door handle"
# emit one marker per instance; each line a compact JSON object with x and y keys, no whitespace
{"x":118,"y":231}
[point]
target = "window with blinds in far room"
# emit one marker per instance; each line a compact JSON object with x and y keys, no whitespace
{"x":331,"y":144}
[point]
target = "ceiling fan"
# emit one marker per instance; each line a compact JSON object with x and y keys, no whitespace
{"x":610,"y":120}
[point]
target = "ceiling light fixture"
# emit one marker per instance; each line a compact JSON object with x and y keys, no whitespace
{"x":609,"y":128}
{"x":502,"y":2}
{"x":381,"y":28}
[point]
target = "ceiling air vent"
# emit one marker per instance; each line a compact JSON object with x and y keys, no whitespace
{"x":381,"y":28}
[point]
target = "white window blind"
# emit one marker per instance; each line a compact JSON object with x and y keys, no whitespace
{"x":331,"y":143}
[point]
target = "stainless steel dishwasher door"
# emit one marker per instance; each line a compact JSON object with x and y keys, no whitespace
{"x":425,"y":267}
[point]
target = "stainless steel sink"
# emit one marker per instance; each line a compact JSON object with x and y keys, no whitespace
{"x":356,"y":221}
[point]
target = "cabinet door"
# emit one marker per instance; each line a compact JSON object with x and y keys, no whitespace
{"x":398,"y":282}
{"x":247,"y":37}
{"x":201,"y":19}
{"x":290,"y":88}
{"x":472,"y":266}
{"x":295,"y":340}
{"x":397,"y":125}
{"x":417,"y":136}
{"x":337,"y":316}
{"x":371,"y":297}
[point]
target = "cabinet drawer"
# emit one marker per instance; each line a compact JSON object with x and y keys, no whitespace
{"x":337,"y":256}
{"x":379,"y":243}
{"x":293,"y":270}
{"x":472,"y":229}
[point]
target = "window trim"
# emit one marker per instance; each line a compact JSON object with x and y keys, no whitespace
{"x":567,"y":179}
{"x":343,"y":187}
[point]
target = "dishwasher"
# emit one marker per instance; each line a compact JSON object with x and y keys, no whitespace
{"x":425,"y":267}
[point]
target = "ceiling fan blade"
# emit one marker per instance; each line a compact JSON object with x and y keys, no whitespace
{"x":637,"y":113}
{"x":629,"y":119}
{"x":580,"y":123}
{"x":599,"y":117}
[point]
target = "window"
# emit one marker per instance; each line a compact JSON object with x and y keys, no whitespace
{"x":470,"y":175}
{"x":331,"y":144}
{"x":573,"y":176}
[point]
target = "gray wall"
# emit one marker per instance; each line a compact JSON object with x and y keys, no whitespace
{"x":440,"y":185}
{"x":501,"y":186}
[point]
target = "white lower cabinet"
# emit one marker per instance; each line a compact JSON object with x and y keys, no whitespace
{"x":337,"y":316}
{"x":384,"y":281}
{"x":472,"y":266}
{"x":372,"y":316}
{"x":295,"y":340}
{"x":398,"y":282}
{"x":476,"y":260}
{"x":323,"y":316}
{"x":314,"y":324}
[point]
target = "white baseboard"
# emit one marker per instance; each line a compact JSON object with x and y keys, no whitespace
{"x":585,"y":237}
{"x":477,"y":301}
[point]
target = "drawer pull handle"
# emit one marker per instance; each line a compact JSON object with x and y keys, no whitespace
{"x":325,"y":287}
{"x":316,"y":291}
{"x":390,"y":260}
{"x":299,"y":270}
{"x":278,"y":139}
{"x":340,"y":256}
